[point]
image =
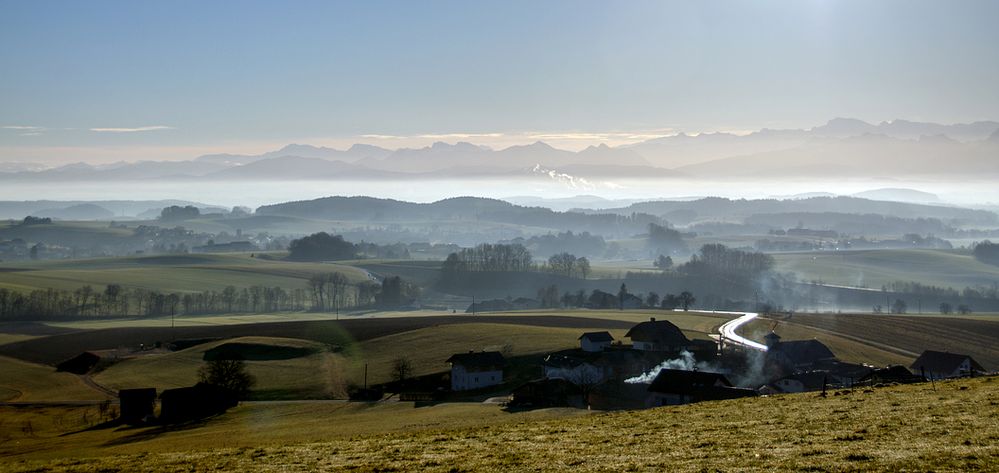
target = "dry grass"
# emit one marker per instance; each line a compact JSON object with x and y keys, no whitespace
{"x":29,"y":382}
{"x":954,"y":427}
{"x":316,"y":376}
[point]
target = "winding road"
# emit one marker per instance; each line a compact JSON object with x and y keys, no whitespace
{"x":729,"y":330}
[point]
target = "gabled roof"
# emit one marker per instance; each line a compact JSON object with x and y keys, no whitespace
{"x":802,"y":351}
{"x":685,"y":382}
{"x":481,"y":359}
{"x":657,"y":331}
{"x":942,"y":362}
{"x":563,"y":361}
{"x":597,"y":336}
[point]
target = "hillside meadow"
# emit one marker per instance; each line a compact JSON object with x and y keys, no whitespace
{"x":874,"y":268}
{"x":947,"y":426}
{"x":168,"y":273}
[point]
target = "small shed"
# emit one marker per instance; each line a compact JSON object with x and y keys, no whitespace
{"x":195,"y":402}
{"x":595,"y":341}
{"x":136,"y":404}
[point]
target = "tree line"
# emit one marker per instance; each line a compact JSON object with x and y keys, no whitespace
{"x":327,"y":292}
{"x":512,"y":257}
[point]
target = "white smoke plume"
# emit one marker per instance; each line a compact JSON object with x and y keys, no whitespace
{"x":685,"y":362}
{"x":567,"y":180}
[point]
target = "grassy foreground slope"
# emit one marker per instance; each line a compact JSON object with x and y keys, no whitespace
{"x":952,"y":426}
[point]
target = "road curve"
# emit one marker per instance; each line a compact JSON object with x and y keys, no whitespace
{"x":728,"y":330}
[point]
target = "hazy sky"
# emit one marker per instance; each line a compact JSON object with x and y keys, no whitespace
{"x":174,"y":79}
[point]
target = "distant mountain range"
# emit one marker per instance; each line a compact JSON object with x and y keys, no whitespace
{"x":92,"y":210}
{"x":840,"y":148}
{"x":629,"y":218}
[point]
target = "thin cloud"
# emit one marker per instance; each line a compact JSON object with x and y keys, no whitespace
{"x":132,"y":130}
{"x":445,"y":136}
{"x":22,"y":127}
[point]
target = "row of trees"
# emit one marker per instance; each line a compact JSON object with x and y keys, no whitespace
{"x":326,"y":293}
{"x":901,"y":307}
{"x":114,"y":300}
{"x":568,"y":265}
{"x":549,"y":298}
{"x":512,"y":257}
{"x":488,"y":257}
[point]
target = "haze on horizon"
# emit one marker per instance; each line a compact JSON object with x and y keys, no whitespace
{"x":119,"y":81}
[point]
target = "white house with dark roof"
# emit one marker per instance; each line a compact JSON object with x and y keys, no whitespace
{"x":939,"y":364}
{"x":595,"y":341}
{"x":474,"y":370}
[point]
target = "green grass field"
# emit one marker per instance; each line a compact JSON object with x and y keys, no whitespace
{"x":873,"y":268}
{"x":950,"y":426}
{"x":167,"y":273}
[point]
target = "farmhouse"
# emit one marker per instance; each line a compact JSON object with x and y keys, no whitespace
{"x":659,"y":335}
{"x":939,"y":364}
{"x":595,"y":341}
{"x":475,"y":370}
{"x":673,"y":387}
{"x":796,"y":355}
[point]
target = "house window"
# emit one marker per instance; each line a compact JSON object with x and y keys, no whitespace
{"x":476,"y":379}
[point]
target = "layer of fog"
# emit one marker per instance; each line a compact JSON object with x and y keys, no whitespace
{"x":253,"y":194}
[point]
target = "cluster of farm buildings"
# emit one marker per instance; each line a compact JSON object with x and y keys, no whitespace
{"x":661,"y":366}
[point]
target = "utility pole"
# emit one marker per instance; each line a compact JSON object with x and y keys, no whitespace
{"x":473,"y":305}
